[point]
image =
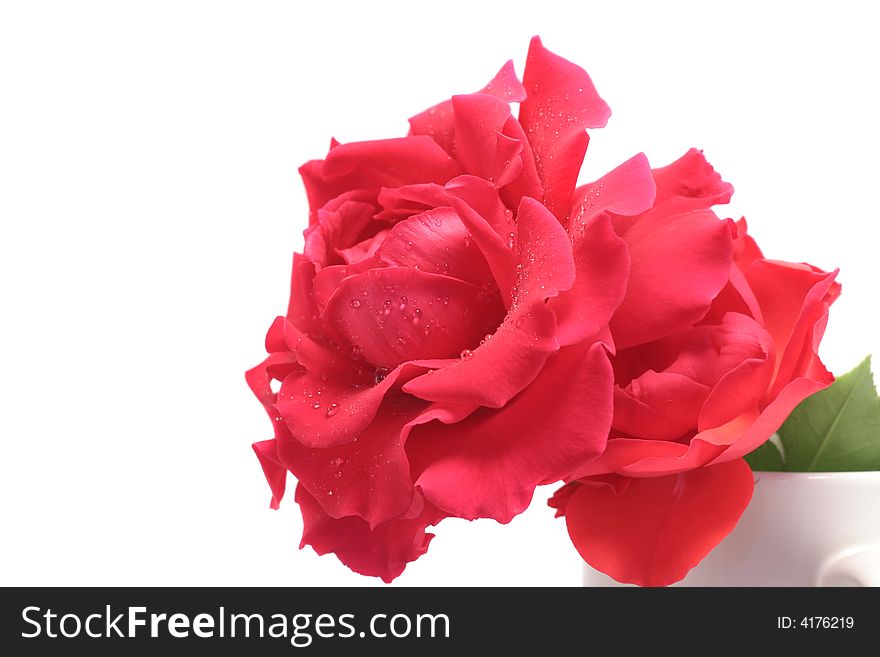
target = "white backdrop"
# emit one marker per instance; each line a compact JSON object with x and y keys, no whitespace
{"x":150,"y":203}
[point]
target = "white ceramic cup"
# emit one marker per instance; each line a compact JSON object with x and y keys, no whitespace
{"x":800,"y":529}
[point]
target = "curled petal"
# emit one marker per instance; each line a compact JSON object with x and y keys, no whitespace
{"x":690,"y":183}
{"x":679,"y":265}
{"x":275,"y":472}
{"x":489,"y":464}
{"x":477,"y":203}
{"x":340,"y":224}
{"x":436,"y":241}
{"x":602,"y":263}
{"x":439,"y":121}
{"x":658,"y":405}
{"x":363,"y":250}
{"x":505,"y":364}
{"x":637,"y":457}
{"x":398,"y":314}
{"x":383,"y":551}
{"x":371,"y":165}
{"x":743,"y":371}
{"x":749,"y":430}
{"x":302,"y":311}
{"x":369,"y":476}
{"x":404,"y":201}
{"x":794,"y":298}
{"x":627,"y":190}
{"x":497,"y":369}
{"x":480,"y":144}
{"x":561,"y":103}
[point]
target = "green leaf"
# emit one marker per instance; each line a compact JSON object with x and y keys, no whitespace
{"x":837,"y":429}
{"x":766,"y":458}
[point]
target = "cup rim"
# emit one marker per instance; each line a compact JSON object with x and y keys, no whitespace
{"x":849,"y":475}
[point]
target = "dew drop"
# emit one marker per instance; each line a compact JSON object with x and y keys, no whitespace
{"x":466,"y":354}
{"x":317,"y":404}
{"x":380,"y":374}
{"x":331,"y":410}
{"x":354,"y":303}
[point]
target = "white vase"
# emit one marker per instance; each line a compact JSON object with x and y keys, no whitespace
{"x":800,"y":529}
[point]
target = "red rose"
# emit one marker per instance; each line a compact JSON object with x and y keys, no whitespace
{"x":444,"y":350}
{"x":715,"y":345}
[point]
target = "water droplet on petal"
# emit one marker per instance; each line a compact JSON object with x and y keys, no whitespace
{"x":331,"y":410}
{"x":380,"y":374}
{"x":466,"y":354}
{"x":354,"y":303}
{"x":317,"y":404}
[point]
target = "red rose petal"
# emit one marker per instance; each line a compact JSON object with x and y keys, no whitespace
{"x":527,"y":182}
{"x":480,"y":209}
{"x":371,"y":165}
{"x":340,"y":224}
{"x":488,"y":465}
{"x":504,"y":365}
{"x":793,"y":299}
{"x":690,"y":183}
{"x":658,"y":406}
{"x":745,"y":249}
{"x":480,"y":144}
{"x":638,"y":457}
{"x":743,"y":371}
{"x":627,"y":190}
{"x":659,"y":528}
{"x":398,"y":314}
{"x":748,"y":431}
{"x":363,"y":250}
{"x":380,"y":552}
{"x":436,"y":241}
{"x":276,"y":474}
{"x":602,"y":263}
{"x":302,"y":310}
{"x":401,"y":202}
{"x":679,"y":264}
{"x":439,"y":121}
{"x":369,"y":476}
{"x":326,"y":282}
{"x":562,"y":102}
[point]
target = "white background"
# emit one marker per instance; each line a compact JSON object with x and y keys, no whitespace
{"x":150,"y":203}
